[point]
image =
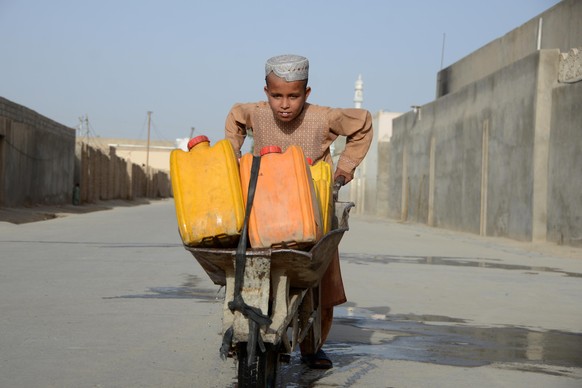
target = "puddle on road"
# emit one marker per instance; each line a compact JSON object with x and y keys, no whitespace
{"x":452,"y":261}
{"x":373,"y":333}
{"x":358,"y":334}
{"x":446,"y":341}
{"x":188,"y":290}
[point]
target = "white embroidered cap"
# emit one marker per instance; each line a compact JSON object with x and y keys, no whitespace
{"x":290,"y":67}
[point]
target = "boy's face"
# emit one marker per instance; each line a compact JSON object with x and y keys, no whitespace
{"x":286,"y":99}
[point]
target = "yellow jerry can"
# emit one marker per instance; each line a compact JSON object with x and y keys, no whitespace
{"x":323,"y":183}
{"x":207,"y":193}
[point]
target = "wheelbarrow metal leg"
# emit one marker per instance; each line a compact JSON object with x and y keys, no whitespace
{"x":310,"y":322}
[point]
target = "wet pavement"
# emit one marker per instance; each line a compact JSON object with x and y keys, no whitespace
{"x":440,"y":340}
{"x":374,"y":333}
{"x":455,"y":262}
{"x":190,"y":289}
{"x":112,"y":299}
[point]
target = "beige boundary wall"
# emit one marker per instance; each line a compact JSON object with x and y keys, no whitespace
{"x":36,"y":158}
{"x":499,"y":157}
{"x":104,"y":176}
{"x":498,"y":153}
{"x":40,"y":163}
{"x":473,"y":169}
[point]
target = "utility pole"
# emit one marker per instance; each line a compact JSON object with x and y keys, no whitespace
{"x":148,"y":144}
{"x":148,"y":155}
{"x":84,"y":126}
{"x":192,"y":129}
{"x":443,"y":50}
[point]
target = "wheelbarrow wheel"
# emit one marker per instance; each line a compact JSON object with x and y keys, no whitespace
{"x":260,"y":372}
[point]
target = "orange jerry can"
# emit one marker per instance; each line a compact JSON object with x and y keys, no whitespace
{"x":285,"y":211}
{"x":207,"y":193}
{"x":323,"y":184}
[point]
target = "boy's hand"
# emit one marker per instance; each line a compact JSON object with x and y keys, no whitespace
{"x":347,"y":177}
{"x":338,"y":182}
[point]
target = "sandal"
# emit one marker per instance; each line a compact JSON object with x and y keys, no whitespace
{"x":319,"y":360}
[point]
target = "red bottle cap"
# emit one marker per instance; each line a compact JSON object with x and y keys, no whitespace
{"x":270,"y":150}
{"x":197,"y":140}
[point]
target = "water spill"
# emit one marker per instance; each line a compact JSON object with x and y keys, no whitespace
{"x":452,"y":261}
{"x":360,"y":335}
{"x":433,"y":339}
{"x":363,"y":334}
{"x":188,"y":290}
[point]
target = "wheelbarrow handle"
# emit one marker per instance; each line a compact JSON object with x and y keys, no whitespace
{"x":337,"y":184}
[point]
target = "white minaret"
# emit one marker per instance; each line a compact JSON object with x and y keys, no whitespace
{"x":359,"y":92}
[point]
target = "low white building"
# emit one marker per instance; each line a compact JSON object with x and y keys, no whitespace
{"x":363,"y":189}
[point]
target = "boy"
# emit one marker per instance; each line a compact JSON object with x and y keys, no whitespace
{"x":288,"y":119}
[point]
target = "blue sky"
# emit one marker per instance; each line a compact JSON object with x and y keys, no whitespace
{"x":189,"y":61}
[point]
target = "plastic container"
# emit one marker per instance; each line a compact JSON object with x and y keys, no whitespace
{"x":323,"y":184}
{"x":285,"y":211}
{"x":207,"y":193}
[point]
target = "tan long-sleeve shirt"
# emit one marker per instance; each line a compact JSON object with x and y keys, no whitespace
{"x":313,"y":130}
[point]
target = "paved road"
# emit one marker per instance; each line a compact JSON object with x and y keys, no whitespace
{"x":111,"y":299}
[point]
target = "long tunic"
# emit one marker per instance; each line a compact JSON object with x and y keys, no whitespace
{"x":314,"y":130}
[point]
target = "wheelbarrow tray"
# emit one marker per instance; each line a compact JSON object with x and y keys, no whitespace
{"x":303,"y":268}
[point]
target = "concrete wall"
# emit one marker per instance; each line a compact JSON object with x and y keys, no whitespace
{"x":383,"y":180}
{"x":116,"y":168}
{"x":498,"y":152}
{"x":565,"y":166}
{"x":36,"y":157}
{"x":476,"y":160}
{"x":560,"y":28}
{"x":105,"y":176}
{"x":40,"y":164}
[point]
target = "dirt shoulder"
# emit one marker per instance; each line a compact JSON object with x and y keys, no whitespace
{"x":23,"y":215}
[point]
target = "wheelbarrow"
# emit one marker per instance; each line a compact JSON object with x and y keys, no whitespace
{"x":273,"y":303}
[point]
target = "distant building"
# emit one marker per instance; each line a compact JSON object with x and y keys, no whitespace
{"x":363,"y":189}
{"x":136,"y":151}
{"x":359,"y":92}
